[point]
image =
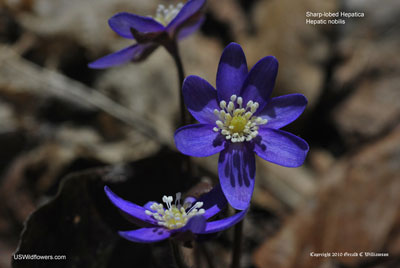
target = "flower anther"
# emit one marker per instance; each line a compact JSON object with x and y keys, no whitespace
{"x":238,"y":123}
{"x":174,"y":216}
{"x":165,"y":14}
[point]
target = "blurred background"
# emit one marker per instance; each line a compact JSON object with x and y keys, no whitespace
{"x":58,"y":117}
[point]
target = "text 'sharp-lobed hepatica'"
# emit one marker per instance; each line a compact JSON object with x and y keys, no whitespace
{"x":238,"y":119}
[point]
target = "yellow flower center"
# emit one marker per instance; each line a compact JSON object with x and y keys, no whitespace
{"x":236,"y":123}
{"x":175,"y":215}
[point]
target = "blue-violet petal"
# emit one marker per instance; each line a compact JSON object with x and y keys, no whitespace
{"x":283,"y":110}
{"x":213,"y":201}
{"x":198,"y":140}
{"x":280,"y":147}
{"x":223,"y":224}
{"x":129,"y":208}
{"x":191,"y":28}
{"x":131,"y":53}
{"x":146,"y":235}
{"x":122,"y":23}
{"x":200,"y":98}
{"x":236,"y":171}
{"x":260,"y":81}
{"x":232,"y":72}
{"x":196,"y":224}
{"x":187,"y":11}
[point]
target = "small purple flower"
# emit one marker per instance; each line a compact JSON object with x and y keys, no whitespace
{"x":170,"y":24}
{"x":176,"y":220}
{"x":240,"y":119}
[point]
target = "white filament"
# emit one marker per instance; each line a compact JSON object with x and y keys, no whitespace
{"x":175,"y":215}
{"x":236,"y":123}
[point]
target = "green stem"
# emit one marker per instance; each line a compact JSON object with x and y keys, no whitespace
{"x":237,"y":245}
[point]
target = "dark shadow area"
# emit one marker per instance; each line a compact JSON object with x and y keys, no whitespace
{"x":89,"y":222}
{"x":218,"y":29}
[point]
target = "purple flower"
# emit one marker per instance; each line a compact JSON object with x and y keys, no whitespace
{"x":240,"y":119}
{"x":170,"y":24}
{"x":176,"y":220}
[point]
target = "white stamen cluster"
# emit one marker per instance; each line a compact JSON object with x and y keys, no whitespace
{"x":175,"y":215}
{"x":237,"y":123}
{"x":165,"y":14}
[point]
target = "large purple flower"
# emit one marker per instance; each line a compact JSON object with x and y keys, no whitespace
{"x":175,"y":220}
{"x":170,"y":24}
{"x":240,"y":119}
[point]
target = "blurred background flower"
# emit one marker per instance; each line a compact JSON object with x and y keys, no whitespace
{"x":168,"y":26}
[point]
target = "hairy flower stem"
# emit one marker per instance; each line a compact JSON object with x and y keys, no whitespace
{"x":176,"y":252}
{"x":237,"y":245}
{"x":172,"y":48}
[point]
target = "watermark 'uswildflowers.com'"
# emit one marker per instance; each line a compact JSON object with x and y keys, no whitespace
{"x":39,"y":257}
